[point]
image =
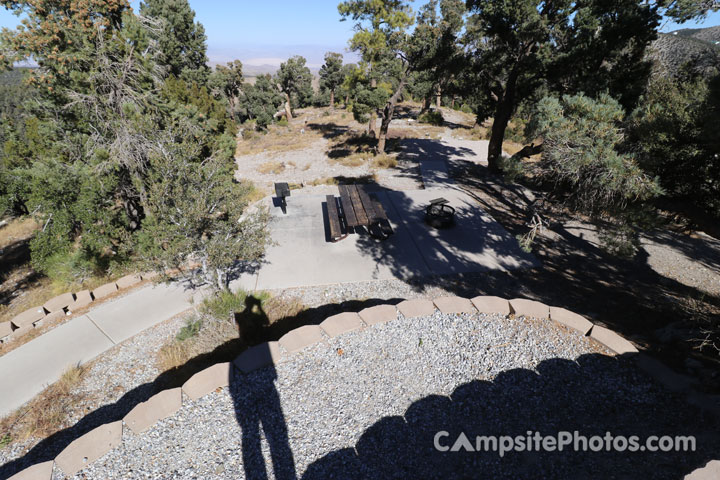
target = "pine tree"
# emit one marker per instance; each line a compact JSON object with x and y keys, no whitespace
{"x":181,"y":40}
{"x":295,"y":80}
{"x":331,"y":74}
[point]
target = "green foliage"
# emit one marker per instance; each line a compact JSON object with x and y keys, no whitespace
{"x":195,"y":214}
{"x":434,"y":47}
{"x":225,"y":303}
{"x":295,"y":80}
{"x":582,"y":159}
{"x":581,"y":142}
{"x":118,"y":162}
{"x":181,"y":40}
{"x":226,"y":82}
{"x":523,"y":49}
{"x":674,"y":130}
{"x":366,"y":97}
{"x":261,"y":101}
{"x":331,"y":75}
{"x":433,"y":117}
{"x":191,"y":329}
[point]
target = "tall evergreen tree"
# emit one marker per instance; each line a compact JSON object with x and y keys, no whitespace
{"x":590,"y":46}
{"x":227,"y":82}
{"x":381,"y":37}
{"x":262,"y":100}
{"x":295,"y":80}
{"x":181,"y":40}
{"x":331,"y":74}
{"x":435,"y":43}
{"x":104,"y":131}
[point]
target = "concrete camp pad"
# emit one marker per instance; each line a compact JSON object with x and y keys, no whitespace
{"x":302,"y":256}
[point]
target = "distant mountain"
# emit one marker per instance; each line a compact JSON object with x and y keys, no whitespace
{"x":673,"y":50}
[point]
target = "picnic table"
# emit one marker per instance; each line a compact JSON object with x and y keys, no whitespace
{"x":357,"y":208}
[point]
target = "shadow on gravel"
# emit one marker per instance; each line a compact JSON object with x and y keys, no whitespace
{"x":257,"y":406}
{"x":593,"y":395}
{"x":51,"y":446}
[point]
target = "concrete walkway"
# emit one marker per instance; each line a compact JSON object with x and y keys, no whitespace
{"x":27,"y":370}
{"x":300,"y":257}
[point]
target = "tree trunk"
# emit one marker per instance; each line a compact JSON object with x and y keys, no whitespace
{"x":288,"y":109}
{"x":497,"y":134}
{"x":388,"y":114}
{"x":426,"y":105}
{"x":438,"y":97}
{"x":373,"y":114}
{"x":503,"y":112}
{"x":452,"y":102}
{"x":332,"y":98}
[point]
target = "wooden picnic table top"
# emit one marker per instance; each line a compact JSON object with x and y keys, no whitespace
{"x":359,"y":208}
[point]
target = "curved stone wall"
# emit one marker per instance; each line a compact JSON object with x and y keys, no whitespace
{"x":101,"y":440}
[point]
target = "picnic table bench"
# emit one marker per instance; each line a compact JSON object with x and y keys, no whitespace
{"x":358,"y":208}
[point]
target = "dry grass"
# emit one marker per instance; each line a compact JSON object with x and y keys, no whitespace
{"x":416,"y":131}
{"x":257,"y":194}
{"x":475,"y":133}
{"x":44,"y":289}
{"x":215,"y":332}
{"x":17,"y":230}
{"x":354,"y":160}
{"x":277,"y":139}
{"x":306,"y":128}
{"x":511,"y":148}
{"x":271,"y":167}
{"x":344,"y":180}
{"x":324,"y":181}
{"x":47,"y":413}
{"x":384,"y":161}
{"x":212,"y":334}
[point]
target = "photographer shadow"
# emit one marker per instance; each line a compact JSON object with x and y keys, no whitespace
{"x":257,"y":405}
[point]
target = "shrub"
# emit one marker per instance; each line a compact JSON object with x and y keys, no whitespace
{"x":191,"y":329}
{"x":223,"y":304}
{"x":282,"y":122}
{"x":433,"y":117}
{"x":220,"y":306}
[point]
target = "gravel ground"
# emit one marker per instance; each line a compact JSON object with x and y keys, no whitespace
{"x":691,"y":260}
{"x":111,"y":384}
{"x":336,"y":409}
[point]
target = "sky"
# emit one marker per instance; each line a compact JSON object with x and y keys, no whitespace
{"x":267,"y":32}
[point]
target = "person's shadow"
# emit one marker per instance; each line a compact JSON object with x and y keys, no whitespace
{"x":257,"y":404}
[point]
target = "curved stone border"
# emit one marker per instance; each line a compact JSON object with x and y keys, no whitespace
{"x":64,"y":305}
{"x":143,"y":416}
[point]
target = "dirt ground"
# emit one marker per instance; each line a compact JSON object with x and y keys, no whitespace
{"x":664,"y":299}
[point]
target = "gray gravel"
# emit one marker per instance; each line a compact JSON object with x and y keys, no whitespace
{"x":335,"y":409}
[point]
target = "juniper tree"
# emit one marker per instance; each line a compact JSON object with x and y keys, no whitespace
{"x":261,"y":101}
